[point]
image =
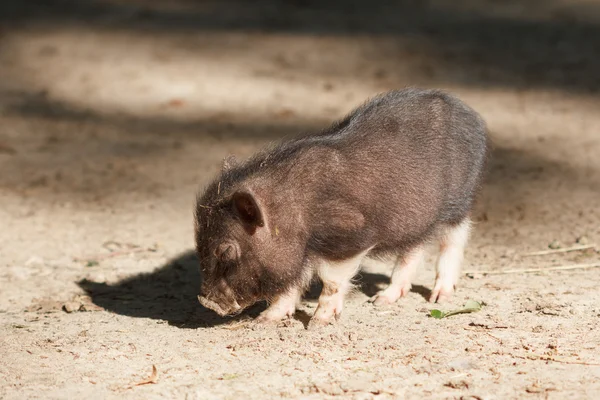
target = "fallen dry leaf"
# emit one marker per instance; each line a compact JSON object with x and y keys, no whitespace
{"x":176,"y":103}
{"x":152,"y":379}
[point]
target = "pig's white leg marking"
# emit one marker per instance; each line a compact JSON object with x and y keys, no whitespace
{"x":283,"y":306}
{"x":403,"y":272}
{"x":336,"y":276}
{"x":452,"y":247}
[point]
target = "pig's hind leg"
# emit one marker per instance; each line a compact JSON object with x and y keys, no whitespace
{"x":404,"y":268}
{"x":452,"y":247}
{"x":336,"y":277}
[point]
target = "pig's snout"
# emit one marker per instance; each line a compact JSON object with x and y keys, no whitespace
{"x":221,"y":301}
{"x":222,"y":311}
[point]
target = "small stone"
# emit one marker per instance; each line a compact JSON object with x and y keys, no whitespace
{"x":475,"y":275}
{"x":356,"y":385}
{"x":330,"y":389}
{"x":96,"y":277}
{"x":554,"y":245}
{"x":582,"y":240}
{"x":19,"y":273}
{"x":286,"y":323}
{"x":462,"y":364}
{"x":71,"y":306}
{"x":34,"y":260}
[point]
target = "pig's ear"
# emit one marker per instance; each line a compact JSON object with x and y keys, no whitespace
{"x":228,"y":163}
{"x":247,"y":209}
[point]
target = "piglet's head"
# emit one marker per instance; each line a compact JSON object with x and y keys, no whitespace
{"x":232,"y":241}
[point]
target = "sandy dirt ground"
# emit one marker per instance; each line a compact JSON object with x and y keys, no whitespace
{"x":114,"y":113}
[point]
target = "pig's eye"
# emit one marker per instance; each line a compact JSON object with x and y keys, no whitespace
{"x":227,"y":255}
{"x":227,"y":252}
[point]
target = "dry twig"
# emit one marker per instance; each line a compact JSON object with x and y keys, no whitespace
{"x":550,"y":358}
{"x":153,"y":378}
{"x":565,"y":250}
{"x":530,"y":270}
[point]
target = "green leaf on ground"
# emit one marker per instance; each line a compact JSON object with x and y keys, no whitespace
{"x":469,"y":307}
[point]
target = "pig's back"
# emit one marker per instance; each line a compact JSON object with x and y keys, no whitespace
{"x":408,"y":160}
{"x":425,"y":143}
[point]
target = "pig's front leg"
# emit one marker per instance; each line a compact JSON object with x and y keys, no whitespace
{"x":336,"y":277}
{"x":283,"y":306}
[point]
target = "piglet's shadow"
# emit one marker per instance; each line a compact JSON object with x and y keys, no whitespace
{"x":170,"y":294}
{"x":371,"y":283}
{"x":167,"y":294}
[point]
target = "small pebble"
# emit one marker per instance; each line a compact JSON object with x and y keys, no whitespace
{"x":475,"y":275}
{"x":462,"y":364}
{"x":554,"y":245}
{"x":34,"y":260}
{"x":96,"y":277}
{"x":71,"y":306}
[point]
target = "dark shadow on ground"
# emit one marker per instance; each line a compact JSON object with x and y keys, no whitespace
{"x":468,"y":45}
{"x":93,"y":155}
{"x":38,"y":105}
{"x":371,"y":283}
{"x":518,"y":178}
{"x":170,"y":294}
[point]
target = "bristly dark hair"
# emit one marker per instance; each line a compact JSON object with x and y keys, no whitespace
{"x":385,"y":177}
